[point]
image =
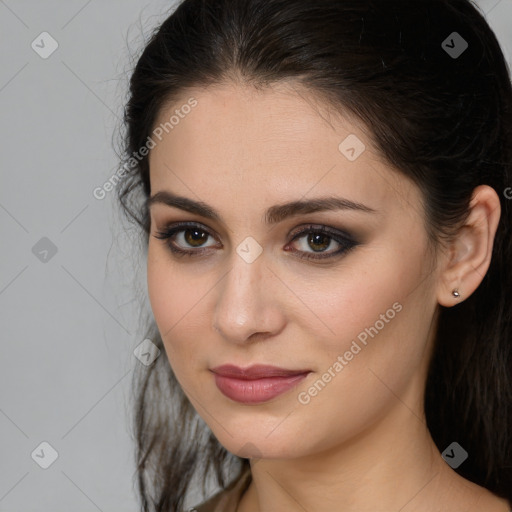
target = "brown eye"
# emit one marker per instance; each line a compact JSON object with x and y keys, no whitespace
{"x":185,"y":239}
{"x":320,"y":240}
{"x":194,"y":237}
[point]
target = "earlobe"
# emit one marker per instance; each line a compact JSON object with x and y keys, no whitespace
{"x":471,"y":249}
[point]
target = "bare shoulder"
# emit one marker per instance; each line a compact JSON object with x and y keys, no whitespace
{"x":482,"y":499}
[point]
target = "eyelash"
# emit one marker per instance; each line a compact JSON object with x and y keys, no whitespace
{"x":346,"y":242}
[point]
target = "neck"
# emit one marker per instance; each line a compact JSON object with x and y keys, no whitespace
{"x":393,"y":465}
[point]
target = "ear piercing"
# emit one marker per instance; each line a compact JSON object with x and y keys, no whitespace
{"x":455,"y":293}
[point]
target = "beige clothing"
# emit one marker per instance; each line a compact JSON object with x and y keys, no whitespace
{"x":226,"y":500}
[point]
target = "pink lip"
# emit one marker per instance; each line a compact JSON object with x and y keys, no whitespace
{"x":255,"y":384}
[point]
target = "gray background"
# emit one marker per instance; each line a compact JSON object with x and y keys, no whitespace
{"x":70,"y":322}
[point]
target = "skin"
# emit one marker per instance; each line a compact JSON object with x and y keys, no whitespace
{"x":241,"y":151}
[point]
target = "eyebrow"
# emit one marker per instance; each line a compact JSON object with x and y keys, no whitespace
{"x":273,"y":215}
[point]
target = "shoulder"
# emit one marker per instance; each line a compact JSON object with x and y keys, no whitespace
{"x":226,"y":500}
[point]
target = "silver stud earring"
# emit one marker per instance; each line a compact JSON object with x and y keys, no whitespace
{"x":455,"y":293}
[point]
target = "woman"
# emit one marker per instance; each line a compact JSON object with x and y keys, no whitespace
{"x":323,"y":188}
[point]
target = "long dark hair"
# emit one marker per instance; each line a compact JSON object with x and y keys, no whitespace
{"x":441,"y":117}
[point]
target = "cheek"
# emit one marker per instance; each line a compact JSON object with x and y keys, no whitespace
{"x":376,"y":317}
{"x":175,"y":299}
{"x":359,"y":299}
{"x":160,"y":283}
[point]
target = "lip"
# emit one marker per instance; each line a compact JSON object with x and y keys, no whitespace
{"x":257,"y":383}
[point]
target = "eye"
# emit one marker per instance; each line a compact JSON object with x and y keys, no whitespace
{"x":188,"y":239}
{"x":319,"y":239}
{"x":190,"y":234}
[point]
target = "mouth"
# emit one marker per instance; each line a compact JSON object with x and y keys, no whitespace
{"x":257,"y":383}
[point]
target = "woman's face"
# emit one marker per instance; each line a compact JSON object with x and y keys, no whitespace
{"x":353,"y":324}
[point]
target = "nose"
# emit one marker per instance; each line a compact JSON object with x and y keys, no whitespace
{"x":247,"y":307}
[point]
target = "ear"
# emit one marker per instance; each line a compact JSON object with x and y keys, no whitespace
{"x":469,"y":254}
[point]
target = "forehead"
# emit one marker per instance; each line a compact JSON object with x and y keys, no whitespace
{"x":279,"y":142}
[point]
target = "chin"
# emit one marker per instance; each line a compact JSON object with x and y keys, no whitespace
{"x":251,"y":444}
